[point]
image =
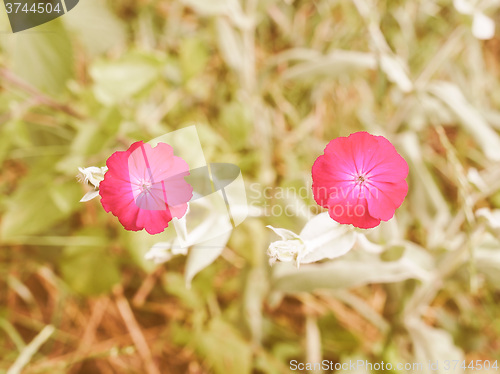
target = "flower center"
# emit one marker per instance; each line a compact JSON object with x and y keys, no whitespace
{"x":145,"y":186}
{"x":360,"y":179}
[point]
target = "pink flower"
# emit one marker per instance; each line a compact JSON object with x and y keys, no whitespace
{"x":360,"y":179}
{"x":145,"y":187}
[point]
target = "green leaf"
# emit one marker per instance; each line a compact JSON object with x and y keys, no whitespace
{"x":337,"y":63}
{"x":89,"y":270}
{"x":342,"y":274}
{"x":327,"y":238}
{"x":139,"y":243}
{"x":487,"y":258}
{"x":88,"y":140}
{"x":193,"y":57}
{"x":471,"y":119}
{"x":43,"y":57}
{"x":230,"y":44}
{"x":96,"y":26}
{"x":224,"y":349}
{"x":431,"y":345}
{"x":38,"y":204}
{"x":117,"y":80}
{"x":267,"y":363}
{"x":203,"y":254}
{"x":393,"y":253}
{"x":237,"y":120}
{"x":174,"y":284}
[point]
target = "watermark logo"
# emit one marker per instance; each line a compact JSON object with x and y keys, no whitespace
{"x":26,"y":14}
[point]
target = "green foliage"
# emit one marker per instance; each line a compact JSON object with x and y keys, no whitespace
{"x":43,"y":58}
{"x":193,"y":57}
{"x":97,"y":268}
{"x":342,"y":274}
{"x":38,"y":204}
{"x":268,"y":84}
{"x":116,"y":81}
{"x":223,"y":348}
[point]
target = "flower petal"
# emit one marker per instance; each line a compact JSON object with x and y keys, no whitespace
{"x":353,"y":211}
{"x":385,"y":197}
{"x":340,"y":151}
{"x":284,"y":233}
{"x":364,"y":150}
{"x":360,"y":179}
{"x":130,"y":192}
{"x":388,"y":165}
{"x":89,"y":196}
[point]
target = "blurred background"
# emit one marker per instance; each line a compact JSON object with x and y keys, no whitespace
{"x":268,"y":83}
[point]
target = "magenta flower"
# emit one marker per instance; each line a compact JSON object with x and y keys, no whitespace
{"x":145,"y":187}
{"x":360,"y":179}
